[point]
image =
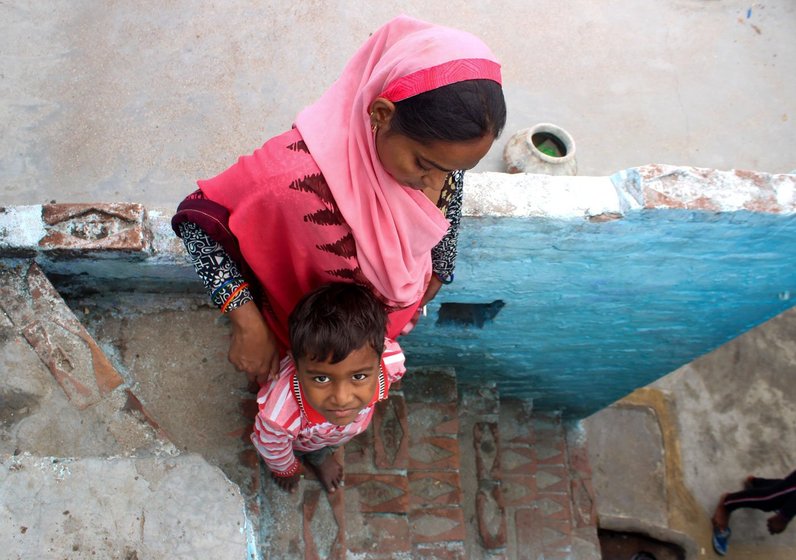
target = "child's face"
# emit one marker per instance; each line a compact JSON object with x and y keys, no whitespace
{"x":339,"y":391}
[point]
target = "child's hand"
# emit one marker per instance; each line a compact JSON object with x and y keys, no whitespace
{"x":287,"y":483}
{"x":253,"y":348}
{"x":776,"y":524}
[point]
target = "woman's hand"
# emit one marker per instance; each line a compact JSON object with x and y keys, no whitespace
{"x":431,"y":291}
{"x":253,"y":348}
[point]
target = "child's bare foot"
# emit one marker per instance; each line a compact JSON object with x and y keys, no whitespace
{"x":287,"y":483}
{"x":330,"y":473}
{"x":721,"y":519}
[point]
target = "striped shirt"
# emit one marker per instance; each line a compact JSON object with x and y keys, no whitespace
{"x":285,"y":421}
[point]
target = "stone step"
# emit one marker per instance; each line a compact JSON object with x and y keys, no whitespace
{"x":56,"y":370}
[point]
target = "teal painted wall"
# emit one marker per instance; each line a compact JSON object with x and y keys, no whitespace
{"x":595,"y":310}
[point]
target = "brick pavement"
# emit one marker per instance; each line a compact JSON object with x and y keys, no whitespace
{"x":444,"y":476}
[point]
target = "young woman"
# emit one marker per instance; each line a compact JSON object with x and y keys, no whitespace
{"x":365,"y":188}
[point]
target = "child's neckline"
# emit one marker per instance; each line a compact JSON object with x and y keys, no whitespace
{"x":316,"y":417}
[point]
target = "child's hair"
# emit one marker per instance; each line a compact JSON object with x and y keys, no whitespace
{"x":457,"y":112}
{"x":332,"y":321}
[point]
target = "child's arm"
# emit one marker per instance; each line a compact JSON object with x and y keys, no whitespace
{"x":275,"y":445}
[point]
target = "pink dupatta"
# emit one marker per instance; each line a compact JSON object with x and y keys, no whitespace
{"x":395,"y":227}
{"x":314,"y":205}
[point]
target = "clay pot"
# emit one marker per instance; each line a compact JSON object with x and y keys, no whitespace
{"x":546,"y":149}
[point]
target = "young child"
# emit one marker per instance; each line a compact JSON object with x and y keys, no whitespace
{"x":340,"y":365}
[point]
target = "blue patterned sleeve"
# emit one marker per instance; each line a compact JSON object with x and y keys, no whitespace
{"x":219,"y":273}
{"x":443,"y":255}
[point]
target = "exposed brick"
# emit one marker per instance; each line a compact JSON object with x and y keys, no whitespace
{"x":434,"y":488}
{"x":518,"y":491}
{"x":377,"y":535}
{"x":552,"y":452}
{"x":359,"y":453}
{"x":378,"y":493}
{"x":583,"y":504}
{"x":134,"y":405}
{"x":553,"y":506}
{"x":491,"y":517}
{"x":76,"y":228}
{"x":486,"y":443}
{"x":391,"y":432}
{"x":70,"y":353}
{"x":324,"y":526}
{"x":556,"y":535}
{"x":528,"y":535}
{"x":515,"y":423}
{"x":434,"y":525}
{"x":481,"y":400}
{"x":434,"y":419}
{"x":439,"y":551}
{"x":517,"y":460}
{"x":552,"y":478}
{"x":434,"y":453}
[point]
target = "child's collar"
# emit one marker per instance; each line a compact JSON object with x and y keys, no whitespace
{"x":316,"y":417}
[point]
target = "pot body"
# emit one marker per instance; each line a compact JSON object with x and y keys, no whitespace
{"x":546,"y":149}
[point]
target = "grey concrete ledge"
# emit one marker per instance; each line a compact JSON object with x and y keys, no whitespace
{"x":179,"y":507}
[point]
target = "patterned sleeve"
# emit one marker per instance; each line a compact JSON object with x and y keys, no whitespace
{"x":394,"y":360}
{"x":219,"y":273}
{"x":443,"y":255}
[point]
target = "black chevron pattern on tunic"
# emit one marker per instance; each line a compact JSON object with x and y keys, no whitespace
{"x":344,"y":247}
{"x":324,"y":217}
{"x":317,"y":184}
{"x":299,"y":146}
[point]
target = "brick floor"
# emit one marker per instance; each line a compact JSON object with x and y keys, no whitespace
{"x":436,"y":479}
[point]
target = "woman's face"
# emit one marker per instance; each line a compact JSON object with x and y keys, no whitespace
{"x":424,"y":166}
{"x":421,"y":166}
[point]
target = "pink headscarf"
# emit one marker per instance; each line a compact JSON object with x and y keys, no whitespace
{"x":395,"y":227}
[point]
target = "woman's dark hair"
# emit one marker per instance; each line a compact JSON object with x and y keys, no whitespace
{"x":332,"y":321}
{"x":457,"y":112}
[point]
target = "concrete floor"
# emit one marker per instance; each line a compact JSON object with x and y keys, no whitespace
{"x":135,"y":101}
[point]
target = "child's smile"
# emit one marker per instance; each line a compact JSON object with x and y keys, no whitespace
{"x":340,"y":391}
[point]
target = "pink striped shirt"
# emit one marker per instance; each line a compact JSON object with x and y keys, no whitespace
{"x":285,"y":420}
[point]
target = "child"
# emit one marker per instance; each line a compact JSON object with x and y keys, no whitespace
{"x":765,"y":494}
{"x":340,"y":365}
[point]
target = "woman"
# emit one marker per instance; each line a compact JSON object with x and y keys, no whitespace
{"x":364,"y":188}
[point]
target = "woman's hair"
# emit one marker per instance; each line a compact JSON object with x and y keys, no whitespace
{"x":457,"y":112}
{"x":332,"y":321}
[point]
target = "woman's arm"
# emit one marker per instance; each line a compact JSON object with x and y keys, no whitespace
{"x":443,"y":255}
{"x":253,"y":348}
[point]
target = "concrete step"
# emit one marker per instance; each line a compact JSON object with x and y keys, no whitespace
{"x":56,"y":370}
{"x":86,"y":470}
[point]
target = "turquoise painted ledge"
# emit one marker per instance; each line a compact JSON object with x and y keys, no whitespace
{"x":595,"y":310}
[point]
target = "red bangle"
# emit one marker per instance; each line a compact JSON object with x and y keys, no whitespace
{"x":232,"y":296}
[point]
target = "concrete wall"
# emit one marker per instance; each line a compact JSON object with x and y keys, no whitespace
{"x":697,"y":433}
